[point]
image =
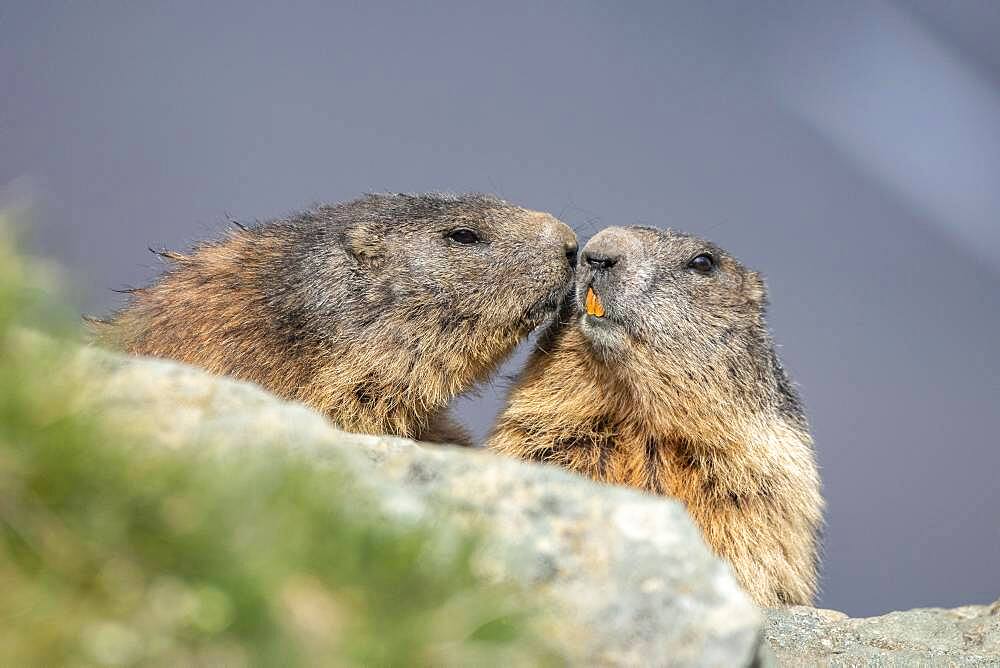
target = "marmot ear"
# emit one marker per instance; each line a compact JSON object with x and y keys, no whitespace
{"x":365,"y":245}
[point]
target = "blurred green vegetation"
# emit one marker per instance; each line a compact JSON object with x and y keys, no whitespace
{"x":118,"y":553}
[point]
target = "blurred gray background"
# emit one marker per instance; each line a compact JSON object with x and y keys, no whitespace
{"x":850,"y":151}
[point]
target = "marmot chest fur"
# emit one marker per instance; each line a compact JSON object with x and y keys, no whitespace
{"x":662,"y":376}
{"x":377,"y":312}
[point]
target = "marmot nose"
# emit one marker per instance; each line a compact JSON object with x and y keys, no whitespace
{"x":598,"y":260}
{"x":571,"y":251}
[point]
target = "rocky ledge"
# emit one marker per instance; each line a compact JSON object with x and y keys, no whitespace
{"x":966,"y":636}
{"x":625,"y":576}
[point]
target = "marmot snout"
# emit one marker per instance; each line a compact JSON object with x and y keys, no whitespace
{"x":663,"y":376}
{"x":377,"y":312}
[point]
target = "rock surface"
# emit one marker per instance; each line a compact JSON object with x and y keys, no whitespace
{"x":625,"y":576}
{"x":966,"y":636}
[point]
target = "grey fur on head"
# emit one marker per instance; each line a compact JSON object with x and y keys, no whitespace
{"x":698,"y":322}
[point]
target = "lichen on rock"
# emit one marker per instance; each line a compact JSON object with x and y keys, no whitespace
{"x":965,"y":636}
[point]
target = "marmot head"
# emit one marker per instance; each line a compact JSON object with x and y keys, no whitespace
{"x":679,"y":316}
{"x":421,"y":296}
{"x":447,"y":262}
{"x":671,"y":311}
{"x":666,"y":291}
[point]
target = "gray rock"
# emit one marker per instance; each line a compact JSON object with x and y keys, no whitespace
{"x":966,"y":636}
{"x":625,"y":576}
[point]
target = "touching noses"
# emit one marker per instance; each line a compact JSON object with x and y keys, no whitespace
{"x":564,"y":233}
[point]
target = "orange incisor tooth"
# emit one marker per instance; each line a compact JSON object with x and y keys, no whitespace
{"x":594,"y":306}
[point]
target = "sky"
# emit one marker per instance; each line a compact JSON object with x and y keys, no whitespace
{"x":849,"y":151}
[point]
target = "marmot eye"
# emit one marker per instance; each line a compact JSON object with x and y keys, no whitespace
{"x":703,"y":263}
{"x":463,"y":235}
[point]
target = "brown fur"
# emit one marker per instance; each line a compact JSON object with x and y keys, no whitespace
{"x":367,"y":311}
{"x":677,"y":391}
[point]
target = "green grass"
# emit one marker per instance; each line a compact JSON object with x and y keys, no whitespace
{"x":120,"y":553}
